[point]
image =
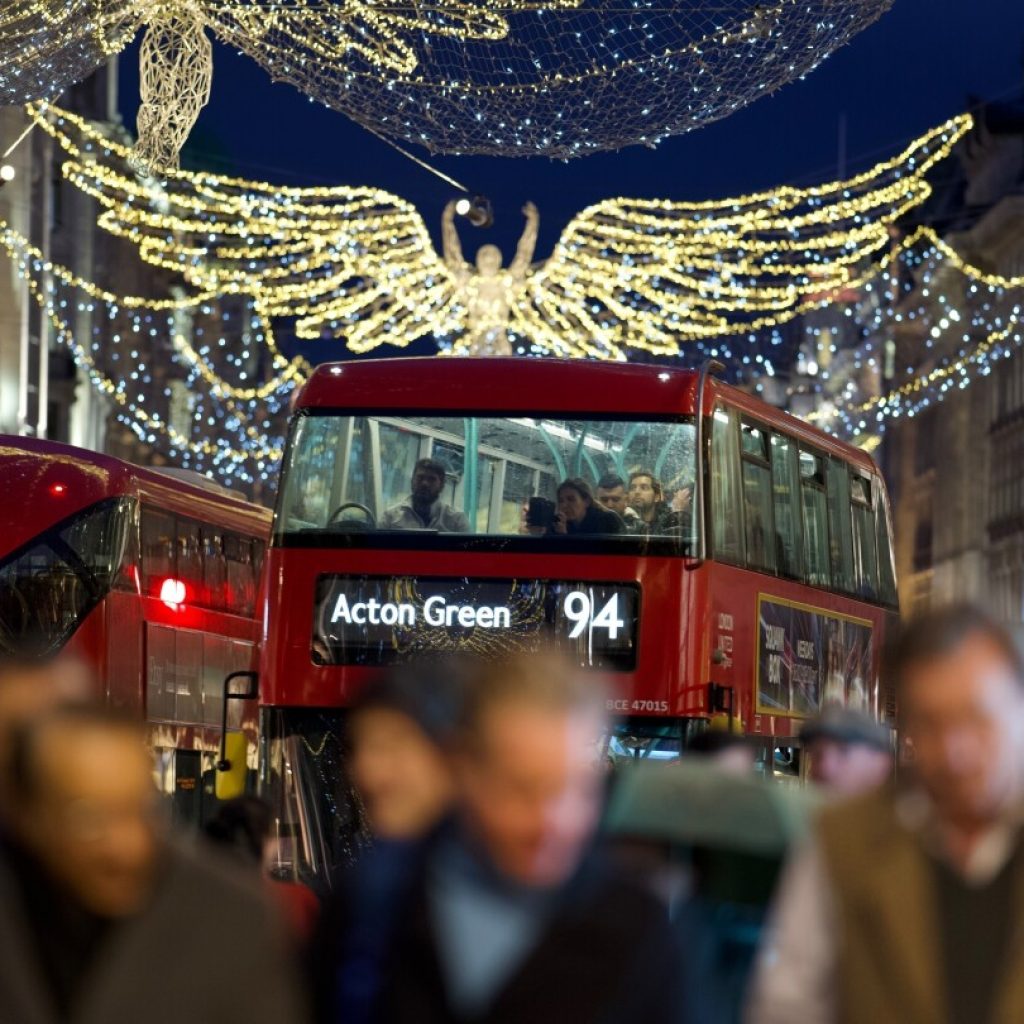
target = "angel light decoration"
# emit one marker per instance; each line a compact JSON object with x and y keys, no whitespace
{"x":488,"y":292}
{"x":359,"y":263}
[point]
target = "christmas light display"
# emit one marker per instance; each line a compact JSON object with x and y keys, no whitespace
{"x":47,"y":45}
{"x":958,"y":319}
{"x":504,"y":77}
{"x":718,"y":278}
{"x":627,"y":274}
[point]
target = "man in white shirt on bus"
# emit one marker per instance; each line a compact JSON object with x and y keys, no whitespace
{"x":423,"y":509}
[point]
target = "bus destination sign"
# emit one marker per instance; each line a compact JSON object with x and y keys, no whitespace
{"x":378,"y":620}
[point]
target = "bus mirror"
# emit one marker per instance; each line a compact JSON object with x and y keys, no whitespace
{"x":234,"y":691}
{"x":229,"y":783}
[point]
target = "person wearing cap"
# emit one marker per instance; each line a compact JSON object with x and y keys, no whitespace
{"x":850,"y":752}
{"x":907,"y":903}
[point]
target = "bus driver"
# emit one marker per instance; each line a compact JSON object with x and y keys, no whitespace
{"x":423,"y":509}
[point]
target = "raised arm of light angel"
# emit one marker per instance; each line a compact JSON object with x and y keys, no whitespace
{"x":451,"y":247}
{"x":527,"y":243}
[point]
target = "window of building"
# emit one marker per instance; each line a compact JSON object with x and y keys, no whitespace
{"x":922,"y":560}
{"x":924,"y":442}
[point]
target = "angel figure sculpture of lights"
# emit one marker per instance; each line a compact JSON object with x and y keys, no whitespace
{"x":488,"y":292}
{"x":649,"y":275}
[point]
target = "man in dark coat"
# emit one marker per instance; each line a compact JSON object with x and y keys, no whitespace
{"x":103,"y":920}
{"x":510,"y":913}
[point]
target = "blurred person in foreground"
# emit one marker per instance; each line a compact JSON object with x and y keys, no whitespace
{"x":508,"y":912}
{"x":907,"y":903}
{"x":242,"y":828}
{"x":400,"y":728}
{"x":28,"y":688}
{"x":729,"y":752}
{"x":850,"y":752}
{"x":104,"y":919}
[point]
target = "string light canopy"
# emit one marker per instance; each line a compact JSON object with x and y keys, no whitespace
{"x":47,"y":45}
{"x":626,"y":275}
{"x":560,"y":78}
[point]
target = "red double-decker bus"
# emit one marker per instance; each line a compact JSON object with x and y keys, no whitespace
{"x":748,"y":570}
{"x":151,"y":579}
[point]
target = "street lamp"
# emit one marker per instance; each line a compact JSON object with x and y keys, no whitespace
{"x":6,"y":174}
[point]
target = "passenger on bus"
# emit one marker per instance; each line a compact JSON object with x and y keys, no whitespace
{"x":611,"y":492}
{"x":655,"y":515}
{"x":424,"y":509}
{"x":579,"y":514}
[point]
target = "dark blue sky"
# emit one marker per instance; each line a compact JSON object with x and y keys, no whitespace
{"x":909,"y":71}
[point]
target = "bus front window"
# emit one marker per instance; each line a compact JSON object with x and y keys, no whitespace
{"x":618,"y":483}
{"x":48,"y":586}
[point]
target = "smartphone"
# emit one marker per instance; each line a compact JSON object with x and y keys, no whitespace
{"x":540,"y":512}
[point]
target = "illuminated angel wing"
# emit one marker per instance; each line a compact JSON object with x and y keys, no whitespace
{"x":650,"y":274}
{"x":357,"y":262}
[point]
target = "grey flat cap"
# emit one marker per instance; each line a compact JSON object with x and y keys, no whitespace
{"x":847,"y":725}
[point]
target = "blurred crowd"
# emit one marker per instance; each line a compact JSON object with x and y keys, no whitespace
{"x":514,"y":876}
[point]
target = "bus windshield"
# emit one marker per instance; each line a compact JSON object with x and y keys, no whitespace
{"x":426,"y":480}
{"x":48,"y":586}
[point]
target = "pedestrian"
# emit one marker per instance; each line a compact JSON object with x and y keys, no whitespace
{"x":242,"y":828}
{"x":906,"y":904}
{"x":28,"y":688}
{"x":510,"y":912}
{"x":105,"y":918}
{"x":849,"y":751}
{"x":400,"y":728}
{"x":729,"y":752}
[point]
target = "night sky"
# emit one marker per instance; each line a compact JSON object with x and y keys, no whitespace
{"x":911,"y":70}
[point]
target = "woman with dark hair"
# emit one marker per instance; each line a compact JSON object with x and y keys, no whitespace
{"x":578,"y":514}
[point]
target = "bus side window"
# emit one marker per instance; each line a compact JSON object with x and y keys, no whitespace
{"x":190,"y":559}
{"x":214,"y":568}
{"x":757,"y":498}
{"x":158,"y":550}
{"x":840,"y":532}
{"x":242,"y":573}
{"x":726,"y":503}
{"x":815,"y":520}
{"x":786,"y":488}
{"x":886,"y":573}
{"x":865,"y":559}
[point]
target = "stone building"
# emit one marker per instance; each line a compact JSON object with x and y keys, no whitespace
{"x":956,"y":468}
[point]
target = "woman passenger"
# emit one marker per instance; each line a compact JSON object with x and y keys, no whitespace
{"x":579,"y":514}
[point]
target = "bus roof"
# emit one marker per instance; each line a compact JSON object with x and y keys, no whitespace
{"x":524,"y":385}
{"x":50,"y":481}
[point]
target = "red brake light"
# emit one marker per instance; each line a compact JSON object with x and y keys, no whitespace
{"x":57,"y":490}
{"x":172,"y":593}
